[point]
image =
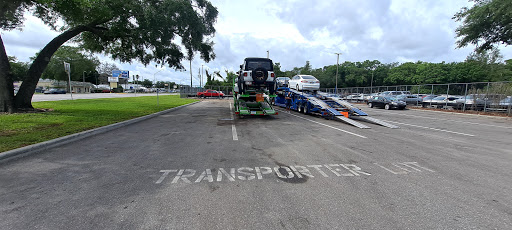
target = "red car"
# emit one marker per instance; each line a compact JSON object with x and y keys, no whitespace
{"x":210,"y":93}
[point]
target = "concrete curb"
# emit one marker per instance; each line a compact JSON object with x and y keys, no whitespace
{"x":31,"y":149}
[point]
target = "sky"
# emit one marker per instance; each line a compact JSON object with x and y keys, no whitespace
{"x":296,"y":31}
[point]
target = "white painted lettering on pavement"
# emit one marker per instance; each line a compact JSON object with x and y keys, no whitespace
{"x":286,"y":172}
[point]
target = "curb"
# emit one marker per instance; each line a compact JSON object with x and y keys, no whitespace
{"x":35,"y":148}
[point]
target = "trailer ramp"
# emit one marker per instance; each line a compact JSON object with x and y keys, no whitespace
{"x":376,"y":121}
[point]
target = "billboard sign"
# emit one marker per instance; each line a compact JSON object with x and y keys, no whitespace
{"x":121,"y":73}
{"x":125,"y":74}
{"x":116,"y":73}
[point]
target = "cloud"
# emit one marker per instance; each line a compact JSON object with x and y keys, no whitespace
{"x":296,"y":31}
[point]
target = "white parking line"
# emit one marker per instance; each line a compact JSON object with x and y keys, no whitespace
{"x":233,"y":128}
{"x":435,"y":118}
{"x":423,"y":127}
{"x":316,"y":122}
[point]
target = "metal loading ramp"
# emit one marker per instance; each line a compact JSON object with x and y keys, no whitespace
{"x":352,"y":122}
{"x":360,"y":115}
{"x":327,"y":106}
{"x":376,"y":121}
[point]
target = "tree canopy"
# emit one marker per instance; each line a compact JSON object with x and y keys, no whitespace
{"x":486,"y":24}
{"x":80,"y":64}
{"x":146,"y":31}
{"x":479,"y":67}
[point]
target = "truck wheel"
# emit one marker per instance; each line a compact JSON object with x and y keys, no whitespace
{"x":272,"y":89}
{"x":306,"y":109}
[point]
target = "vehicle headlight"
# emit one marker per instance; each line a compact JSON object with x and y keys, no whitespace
{"x":394,"y":103}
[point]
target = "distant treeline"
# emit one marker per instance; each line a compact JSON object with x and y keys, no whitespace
{"x":478,"y":67}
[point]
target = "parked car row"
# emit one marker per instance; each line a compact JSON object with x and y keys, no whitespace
{"x":55,"y":91}
{"x":399,"y":100}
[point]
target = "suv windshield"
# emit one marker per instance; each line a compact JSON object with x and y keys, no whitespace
{"x":252,"y":65}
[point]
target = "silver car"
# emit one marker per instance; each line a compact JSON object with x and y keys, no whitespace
{"x":440,"y":101}
{"x":282,"y":81}
{"x":304,"y":82}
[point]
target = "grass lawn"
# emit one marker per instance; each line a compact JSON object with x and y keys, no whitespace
{"x":68,"y":117}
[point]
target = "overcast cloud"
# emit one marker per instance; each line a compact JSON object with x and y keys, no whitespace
{"x":296,"y":31}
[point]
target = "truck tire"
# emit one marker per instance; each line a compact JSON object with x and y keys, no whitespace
{"x":259,"y":75}
{"x":272,"y":89}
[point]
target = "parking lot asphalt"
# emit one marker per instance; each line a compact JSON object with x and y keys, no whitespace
{"x":200,"y":167}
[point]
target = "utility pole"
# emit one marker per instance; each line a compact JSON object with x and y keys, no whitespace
{"x":371,"y":83}
{"x":190,"y":73}
{"x":267,"y":54}
{"x":202,"y":72}
{"x":83,"y":80}
{"x":337,"y":66}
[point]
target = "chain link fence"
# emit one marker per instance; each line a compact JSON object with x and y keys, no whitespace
{"x":479,"y":96}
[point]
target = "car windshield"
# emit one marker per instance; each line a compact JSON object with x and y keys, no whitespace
{"x":440,"y":98}
{"x":283,"y":78}
{"x":308,"y":77}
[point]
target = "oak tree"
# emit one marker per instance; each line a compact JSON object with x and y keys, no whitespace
{"x":146,"y":31}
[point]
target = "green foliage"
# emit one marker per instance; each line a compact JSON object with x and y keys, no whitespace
{"x":11,"y":13}
{"x":147,"y":83}
{"x":18,"y":130}
{"x":161,"y":84}
{"x":482,"y":67}
{"x":146,"y":30}
{"x":79,"y":63}
{"x":277,"y":70}
{"x":18,"y":69}
{"x":486,"y":24}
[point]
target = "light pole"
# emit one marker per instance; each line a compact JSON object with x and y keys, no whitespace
{"x":371,"y":82}
{"x":267,"y":54}
{"x":201,"y":80}
{"x":154,"y":76}
{"x":136,"y":78}
{"x":337,"y":66}
{"x":83,"y":80}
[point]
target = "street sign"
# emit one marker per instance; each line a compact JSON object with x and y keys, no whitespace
{"x":113,"y":79}
{"x":67,"y":67}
